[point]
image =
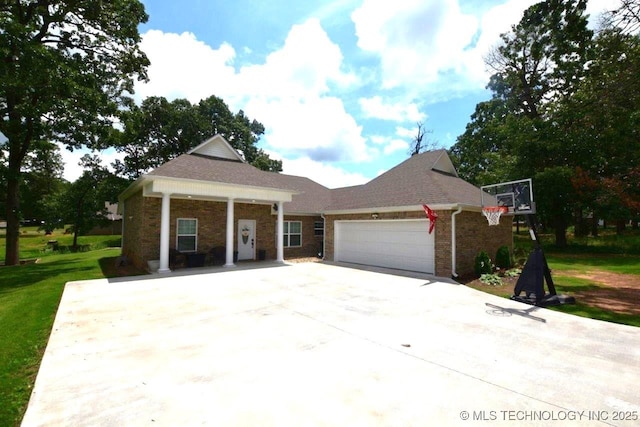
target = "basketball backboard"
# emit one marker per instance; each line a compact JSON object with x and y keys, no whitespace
{"x":517,"y":196}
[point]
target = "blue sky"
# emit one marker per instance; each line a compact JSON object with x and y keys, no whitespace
{"x":339,"y":85}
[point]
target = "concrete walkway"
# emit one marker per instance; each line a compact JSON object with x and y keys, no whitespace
{"x":325,"y":345}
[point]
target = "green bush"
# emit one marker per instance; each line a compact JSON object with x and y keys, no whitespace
{"x":503,"y":257}
{"x":491,"y":279}
{"x":483,"y":264}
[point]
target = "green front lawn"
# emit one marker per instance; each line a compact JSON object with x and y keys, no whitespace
{"x":622,"y":264}
{"x":34,"y":243}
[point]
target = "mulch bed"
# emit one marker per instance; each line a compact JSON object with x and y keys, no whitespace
{"x":616,"y":292}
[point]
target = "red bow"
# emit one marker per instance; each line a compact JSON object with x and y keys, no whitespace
{"x":432,"y":217}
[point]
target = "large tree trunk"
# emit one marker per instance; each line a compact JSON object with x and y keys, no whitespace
{"x":560,"y":228}
{"x":561,"y":237}
{"x":12,"y":252}
{"x":594,"y":225}
{"x":620,"y":226}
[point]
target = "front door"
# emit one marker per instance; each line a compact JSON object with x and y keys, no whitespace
{"x":246,"y":239}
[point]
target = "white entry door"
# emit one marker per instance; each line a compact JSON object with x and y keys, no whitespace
{"x":246,"y":239}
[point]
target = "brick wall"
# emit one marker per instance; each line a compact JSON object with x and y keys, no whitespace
{"x":141,"y":241}
{"x":131,"y":237}
{"x":311,"y":244}
{"x":472,"y":235}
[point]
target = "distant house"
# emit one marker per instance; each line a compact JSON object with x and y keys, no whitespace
{"x":210,"y":201}
{"x":114,"y":224}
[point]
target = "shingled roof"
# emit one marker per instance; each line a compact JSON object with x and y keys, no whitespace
{"x":312,"y":197}
{"x":424,"y":178}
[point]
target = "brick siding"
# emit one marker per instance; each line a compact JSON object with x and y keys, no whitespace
{"x":472,"y":235}
{"x":141,"y":239}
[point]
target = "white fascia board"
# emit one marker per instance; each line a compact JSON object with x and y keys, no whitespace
{"x":410,"y":208}
{"x":300,"y":213}
{"x":159,"y":185}
{"x":131,"y":189}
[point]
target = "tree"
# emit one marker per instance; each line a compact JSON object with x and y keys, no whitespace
{"x":64,"y":67}
{"x":605,"y":113}
{"x":539,"y":64}
{"x":626,"y":17}
{"x":41,"y":175}
{"x":483,"y":153}
{"x":417,"y":145}
{"x":159,"y":130}
{"x":82,"y":202}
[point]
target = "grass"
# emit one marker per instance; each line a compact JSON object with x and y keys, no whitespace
{"x":29,"y":298}
{"x":34,"y":243}
{"x":607,"y":242}
{"x":606,"y":253}
{"x":622,"y":264}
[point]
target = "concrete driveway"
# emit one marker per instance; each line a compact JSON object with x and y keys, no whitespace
{"x":326,"y":345}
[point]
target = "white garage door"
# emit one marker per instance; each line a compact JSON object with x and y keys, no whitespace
{"x":405,"y":245}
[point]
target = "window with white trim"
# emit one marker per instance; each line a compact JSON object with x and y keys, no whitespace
{"x":292,"y":234}
{"x":187,"y":235}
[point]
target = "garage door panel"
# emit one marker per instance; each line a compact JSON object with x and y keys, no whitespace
{"x":395,"y":244}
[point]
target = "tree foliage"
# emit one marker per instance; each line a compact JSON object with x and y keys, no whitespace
{"x":82,"y":202}
{"x":41,"y":175}
{"x":565,"y":111}
{"x":64,"y":67}
{"x":626,"y":17}
{"x":159,"y":130}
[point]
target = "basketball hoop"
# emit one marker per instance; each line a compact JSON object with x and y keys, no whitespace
{"x":493,"y":213}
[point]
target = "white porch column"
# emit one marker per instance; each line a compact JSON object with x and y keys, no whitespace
{"x":164,"y":233}
{"x":229,"y":241}
{"x":280,"y":240}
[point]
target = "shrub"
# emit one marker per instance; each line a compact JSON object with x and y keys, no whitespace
{"x":491,"y":279}
{"x":483,"y":264}
{"x":503,"y":257}
{"x":514,"y":272}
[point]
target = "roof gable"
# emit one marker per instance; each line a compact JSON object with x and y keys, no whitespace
{"x":444,"y":164}
{"x":217,"y":147}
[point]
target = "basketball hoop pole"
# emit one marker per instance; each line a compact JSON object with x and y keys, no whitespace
{"x":531,"y":220}
{"x":535,"y":272}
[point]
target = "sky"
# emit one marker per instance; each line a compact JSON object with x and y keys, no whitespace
{"x":339,"y":85}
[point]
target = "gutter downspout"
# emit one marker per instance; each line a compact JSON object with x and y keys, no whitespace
{"x":324,"y":234}
{"x":454,"y":274}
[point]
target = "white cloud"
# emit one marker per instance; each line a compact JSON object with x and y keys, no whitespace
{"x":430,"y":46}
{"x":417,"y":40}
{"x":376,"y":108}
{"x":71,"y":159}
{"x":318,"y":127}
{"x":184,"y":67}
{"x":406,"y":132}
{"x":72,"y":170}
{"x":288,"y":93}
{"x":378,"y":139}
{"x":305,"y":66}
{"x":323,"y":173}
{"x":390,"y":145}
{"x":395,"y":145}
